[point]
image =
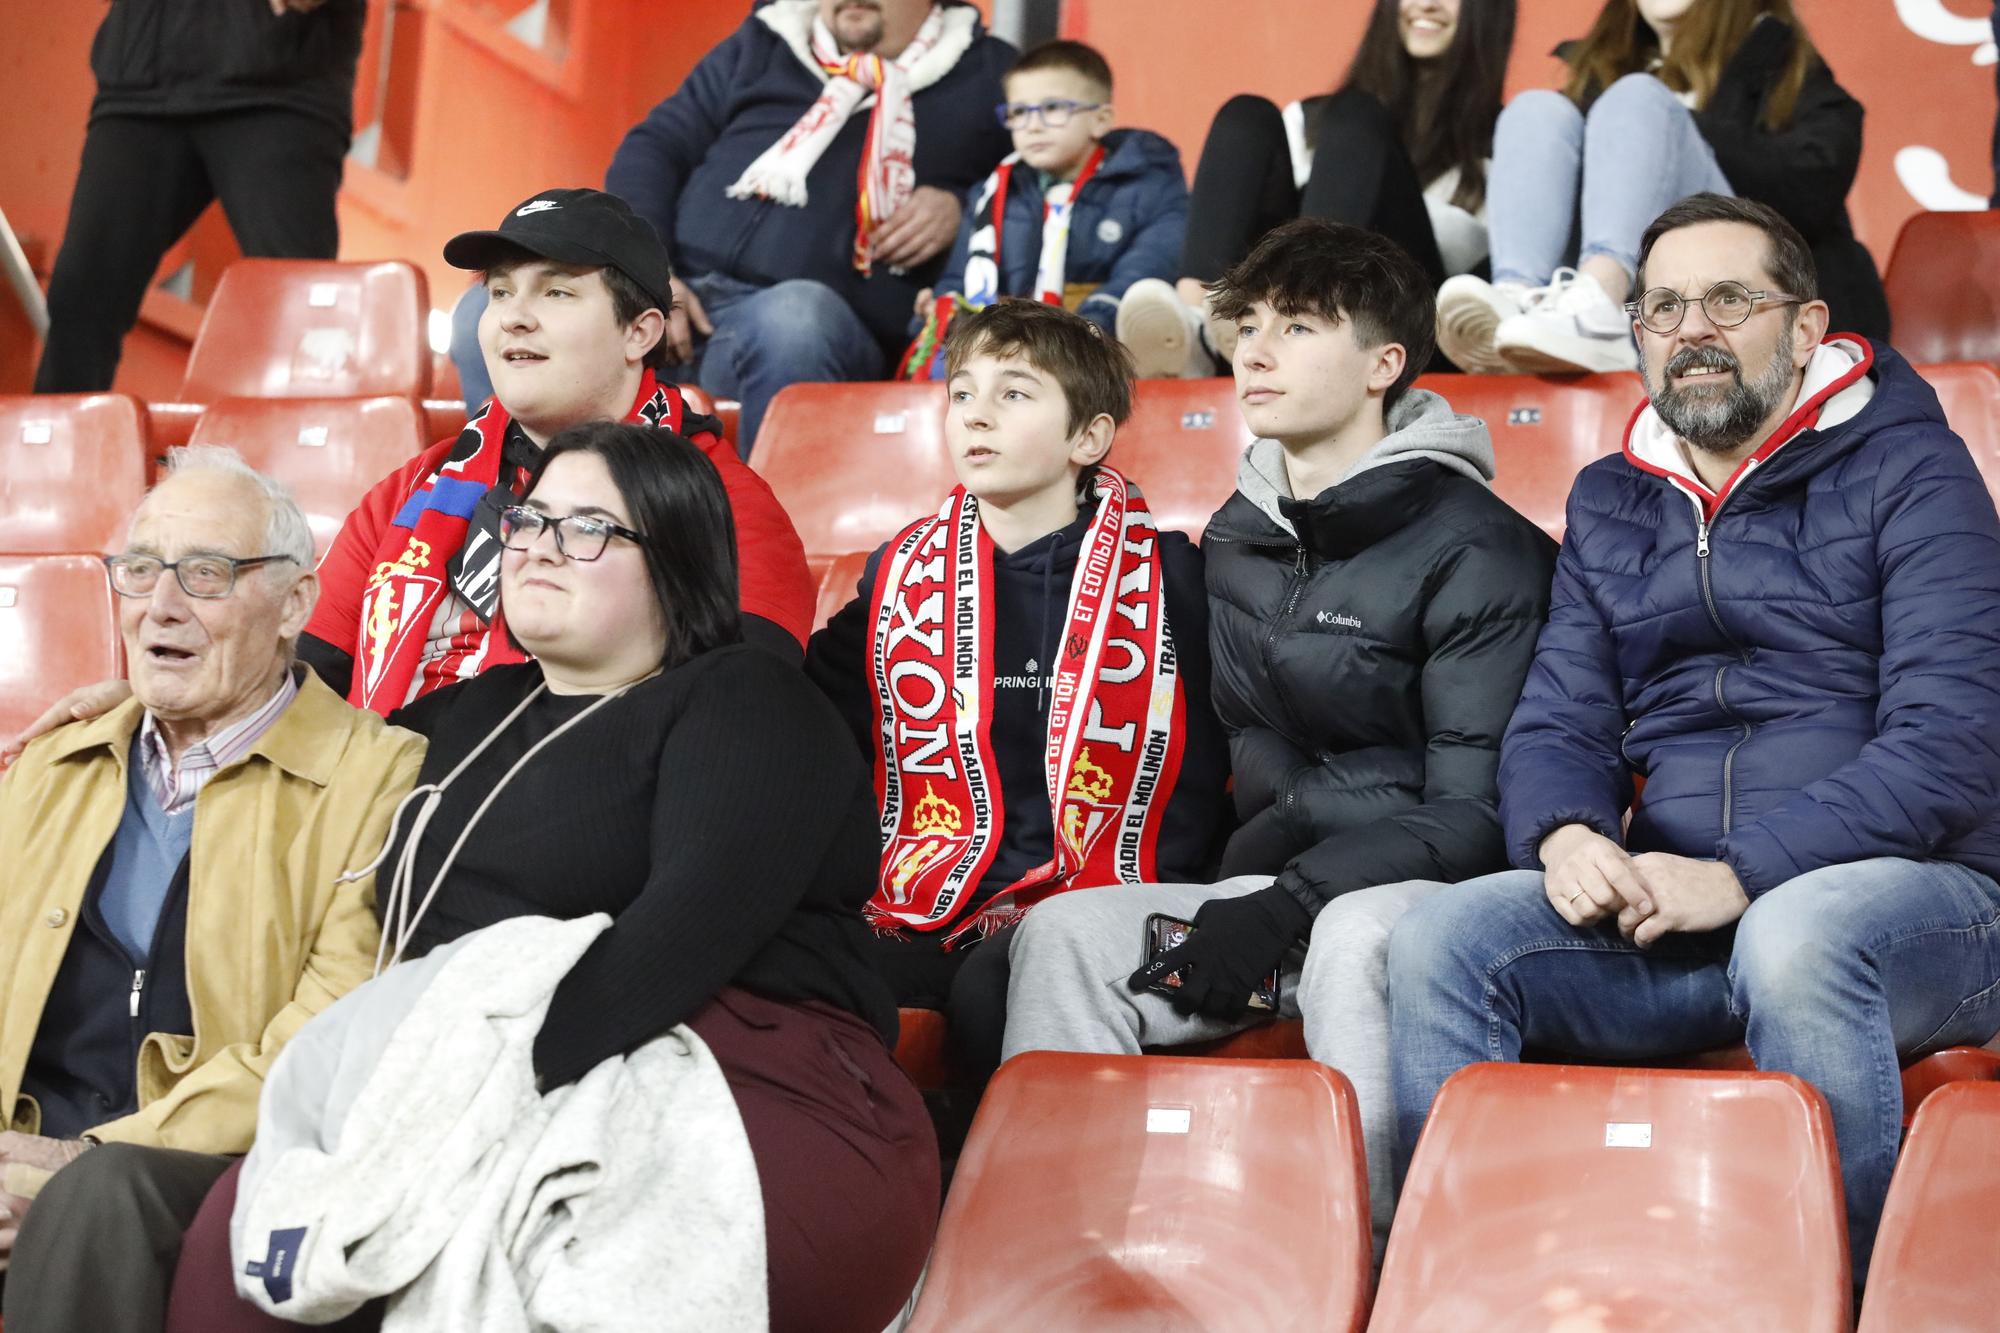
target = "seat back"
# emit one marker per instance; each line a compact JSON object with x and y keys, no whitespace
{"x":1641,"y":1198}
{"x":57,"y":631}
{"x":1544,"y":431}
{"x":1182,"y":446}
{"x":1943,"y":283}
{"x":1969,"y":393}
{"x":1114,"y":1192}
{"x":853,"y":464}
{"x":328,"y":450}
{"x":838,"y":577}
{"x":72,"y":469}
{"x":305,"y":328}
{"x":1933,"y":1265}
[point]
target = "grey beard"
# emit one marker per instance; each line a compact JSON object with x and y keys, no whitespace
{"x":1720,"y":423}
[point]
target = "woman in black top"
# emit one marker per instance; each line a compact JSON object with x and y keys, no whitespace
{"x":706,"y":796}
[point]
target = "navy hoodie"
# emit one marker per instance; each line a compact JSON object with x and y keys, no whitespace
{"x":675,"y":165}
{"x":1031,"y":598}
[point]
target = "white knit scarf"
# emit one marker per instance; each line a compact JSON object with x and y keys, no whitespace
{"x":888,"y":166}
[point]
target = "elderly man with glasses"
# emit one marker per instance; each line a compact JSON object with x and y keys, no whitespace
{"x":1779,"y":605}
{"x":177,"y":902}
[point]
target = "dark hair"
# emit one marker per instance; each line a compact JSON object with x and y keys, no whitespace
{"x":675,"y":496}
{"x":628,"y":299}
{"x":1621,"y":42}
{"x":1310,"y":266}
{"x":1444,"y":108}
{"x":1787,"y":257}
{"x":1064,"y":54}
{"x":1095,"y":372}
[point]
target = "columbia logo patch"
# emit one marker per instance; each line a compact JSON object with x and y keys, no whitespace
{"x":1335,"y":618}
{"x":538,"y":206}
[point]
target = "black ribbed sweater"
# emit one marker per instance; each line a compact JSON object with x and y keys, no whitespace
{"x":718,"y":812}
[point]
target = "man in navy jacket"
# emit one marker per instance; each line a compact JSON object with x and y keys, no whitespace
{"x":1780,"y":606}
{"x":774,"y":284}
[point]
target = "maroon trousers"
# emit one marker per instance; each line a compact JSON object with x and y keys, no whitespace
{"x":845,"y":1155}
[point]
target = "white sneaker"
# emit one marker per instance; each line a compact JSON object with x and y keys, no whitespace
{"x":1469,"y":314}
{"x":1573,"y":327}
{"x":1163,"y":332}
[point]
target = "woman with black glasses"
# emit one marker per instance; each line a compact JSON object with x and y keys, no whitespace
{"x":648,"y":765}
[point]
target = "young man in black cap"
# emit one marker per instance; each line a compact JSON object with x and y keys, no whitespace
{"x":409,"y":592}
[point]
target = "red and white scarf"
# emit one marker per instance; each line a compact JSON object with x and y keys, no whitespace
{"x":433,"y":548}
{"x":1116,"y":717}
{"x":888,"y":173}
{"x":989,"y":220}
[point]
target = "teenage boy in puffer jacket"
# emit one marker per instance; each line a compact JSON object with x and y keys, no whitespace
{"x":1373,"y":610}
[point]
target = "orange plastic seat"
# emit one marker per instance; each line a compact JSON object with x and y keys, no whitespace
{"x":1921,"y":1077}
{"x":328,"y":450}
{"x":1943,"y":283}
{"x":1562,"y":1196}
{"x":838,"y":578}
{"x":57,"y":631}
{"x":301,"y":328}
{"x":921,"y":1048}
{"x":1182,"y":446}
{"x":853,"y":464}
{"x":1116,"y":1193}
{"x":1933,"y":1264}
{"x":1544,"y":430}
{"x":1969,"y":393}
{"x":1280,"y":1039}
{"x":72,"y":469}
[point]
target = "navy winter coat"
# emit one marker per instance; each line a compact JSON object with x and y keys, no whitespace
{"x":1130,"y":219}
{"x":1815,"y":683}
{"x":674,"y":166}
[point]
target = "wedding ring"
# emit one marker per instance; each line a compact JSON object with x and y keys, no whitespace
{"x":1574,"y":896}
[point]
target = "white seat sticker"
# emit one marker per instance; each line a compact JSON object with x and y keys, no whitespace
{"x":1168,"y":1119}
{"x":1628,"y":1134}
{"x":891,"y":423}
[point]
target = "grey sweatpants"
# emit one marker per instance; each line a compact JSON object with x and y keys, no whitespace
{"x":1072,"y":954}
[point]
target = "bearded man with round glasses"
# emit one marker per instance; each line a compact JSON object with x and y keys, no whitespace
{"x":174,"y":904}
{"x":1779,"y":605}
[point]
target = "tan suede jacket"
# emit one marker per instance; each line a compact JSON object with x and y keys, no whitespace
{"x":272,"y":939}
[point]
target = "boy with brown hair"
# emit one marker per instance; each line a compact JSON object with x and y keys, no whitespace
{"x":1027,"y":669}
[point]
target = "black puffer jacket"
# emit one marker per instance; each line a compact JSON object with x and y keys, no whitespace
{"x":194,"y":57}
{"x":1365,"y":667}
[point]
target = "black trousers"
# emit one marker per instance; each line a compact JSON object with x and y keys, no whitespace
{"x":97,"y":1248}
{"x":969,"y":985}
{"x":1360,"y":175}
{"x":143,"y":182}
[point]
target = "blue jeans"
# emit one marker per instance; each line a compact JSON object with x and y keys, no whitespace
{"x":1831,"y":976}
{"x":1565,"y":182}
{"x":764,"y":339}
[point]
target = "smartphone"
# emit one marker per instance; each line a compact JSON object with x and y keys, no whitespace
{"x":1165,"y":932}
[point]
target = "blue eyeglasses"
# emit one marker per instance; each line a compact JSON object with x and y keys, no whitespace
{"x":1054,"y":113}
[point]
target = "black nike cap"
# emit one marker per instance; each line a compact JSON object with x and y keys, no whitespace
{"x":583,"y":227}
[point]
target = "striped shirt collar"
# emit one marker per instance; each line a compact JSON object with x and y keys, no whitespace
{"x":176,"y":786}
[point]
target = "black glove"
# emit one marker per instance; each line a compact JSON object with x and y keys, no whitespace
{"x":1234,"y":946}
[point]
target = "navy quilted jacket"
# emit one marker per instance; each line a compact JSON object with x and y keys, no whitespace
{"x":1810,"y":678}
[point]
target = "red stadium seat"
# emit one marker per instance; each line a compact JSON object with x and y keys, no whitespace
{"x":1562,"y":1196}
{"x":921,"y":1048}
{"x":1921,"y":1077}
{"x":72,"y":469}
{"x":1943,"y":282}
{"x":1544,"y":431}
{"x":1933,"y":1264}
{"x":853,"y":464}
{"x":1115,"y":1192}
{"x":1182,"y":447}
{"x":328,"y":450}
{"x":57,"y":631}
{"x":838,"y":578}
{"x":1970,"y":396}
{"x":295,"y":328}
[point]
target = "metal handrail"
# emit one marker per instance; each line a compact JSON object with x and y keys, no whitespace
{"x":22,"y":278}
